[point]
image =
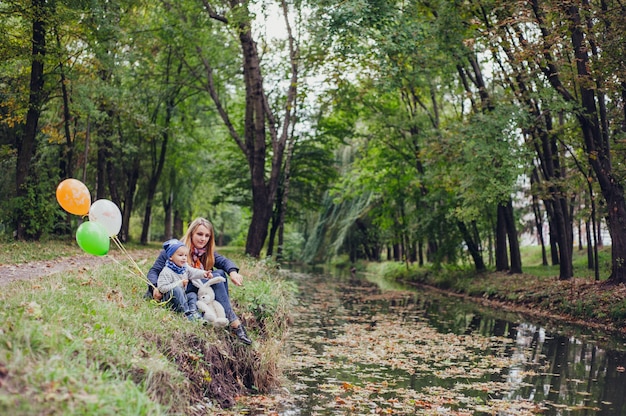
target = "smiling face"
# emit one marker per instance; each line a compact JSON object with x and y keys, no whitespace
{"x":201,"y":236}
{"x":179,"y":257}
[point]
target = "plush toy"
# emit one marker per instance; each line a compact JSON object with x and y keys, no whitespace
{"x":213,"y":311}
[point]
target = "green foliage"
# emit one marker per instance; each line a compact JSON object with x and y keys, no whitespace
{"x":618,"y":313}
{"x":267,"y":296}
{"x":292,"y":246}
{"x":333,"y":227}
{"x":37,"y":211}
{"x":426,"y":145}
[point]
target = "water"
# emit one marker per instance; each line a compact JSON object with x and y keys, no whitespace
{"x":361,"y":346}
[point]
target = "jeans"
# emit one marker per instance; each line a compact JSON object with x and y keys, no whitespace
{"x":221,"y":295}
{"x":179,"y":301}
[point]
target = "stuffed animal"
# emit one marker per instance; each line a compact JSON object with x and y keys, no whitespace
{"x":213,"y":311}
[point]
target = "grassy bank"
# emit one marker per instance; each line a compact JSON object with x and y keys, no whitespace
{"x":85,"y":342}
{"x":581,"y":300}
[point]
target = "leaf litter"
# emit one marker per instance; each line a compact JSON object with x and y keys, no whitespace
{"x":355,"y":350}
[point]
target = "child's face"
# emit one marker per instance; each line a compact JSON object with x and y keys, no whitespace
{"x":179,"y":257}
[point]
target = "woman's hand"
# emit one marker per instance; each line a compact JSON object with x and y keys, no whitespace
{"x":236,"y":278}
{"x":156,"y":295}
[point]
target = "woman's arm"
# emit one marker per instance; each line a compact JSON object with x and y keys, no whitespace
{"x":229,"y":267}
{"x":153,"y":274}
{"x":225,"y":263}
{"x":155,"y":270}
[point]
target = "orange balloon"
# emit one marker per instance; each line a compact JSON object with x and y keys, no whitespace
{"x":74,"y":197}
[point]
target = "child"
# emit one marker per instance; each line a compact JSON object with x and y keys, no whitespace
{"x":175,"y":276}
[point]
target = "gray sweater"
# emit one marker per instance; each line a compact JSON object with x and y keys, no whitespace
{"x":169,"y":279}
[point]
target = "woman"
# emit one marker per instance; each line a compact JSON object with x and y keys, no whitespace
{"x":200,"y":239}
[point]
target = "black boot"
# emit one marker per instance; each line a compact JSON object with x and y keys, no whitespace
{"x":240,"y":331}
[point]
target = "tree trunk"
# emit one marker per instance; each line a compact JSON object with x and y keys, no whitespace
{"x":598,"y":150}
{"x":259,"y":121}
{"x":66,"y":161}
{"x":101,"y":157}
{"x":590,"y":260}
{"x":502,"y":259}
{"x":593,"y":231}
{"x":284,"y":199}
{"x":26,"y":146}
{"x":273,"y":228}
{"x":472,"y":247}
{"x":564,"y":242}
{"x":539,"y":221}
{"x":157,"y":163}
{"x":413,"y":252}
{"x":554,"y":247}
{"x":544,"y":141}
{"x":111,"y":170}
{"x":133,"y":176}
{"x":579,"y":226}
{"x":168,"y":208}
{"x":396,"y":252}
{"x":281,"y":242}
{"x":596,"y":141}
{"x":514,"y":251}
{"x":420,"y":254}
{"x":178,"y":227}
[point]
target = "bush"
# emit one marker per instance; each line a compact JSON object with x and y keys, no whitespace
{"x":35,"y":211}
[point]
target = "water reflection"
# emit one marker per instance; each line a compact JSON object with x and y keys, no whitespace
{"x":577,"y":374}
{"x":560,"y":373}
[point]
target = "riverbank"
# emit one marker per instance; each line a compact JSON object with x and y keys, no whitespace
{"x":538,"y":292}
{"x":77,"y":337}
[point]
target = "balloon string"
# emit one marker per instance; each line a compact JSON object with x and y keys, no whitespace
{"x":154,"y":301}
{"x":145,"y":279}
{"x":119,"y":244}
{"x":133,"y":272}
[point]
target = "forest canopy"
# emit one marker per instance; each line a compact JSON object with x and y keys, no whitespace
{"x":425,"y":132}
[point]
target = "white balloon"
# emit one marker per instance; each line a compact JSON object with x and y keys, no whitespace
{"x":107,"y":214}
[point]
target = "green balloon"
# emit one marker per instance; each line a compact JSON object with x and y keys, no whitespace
{"x":92,"y":238}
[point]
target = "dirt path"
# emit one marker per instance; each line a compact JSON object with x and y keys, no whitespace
{"x":12,"y":272}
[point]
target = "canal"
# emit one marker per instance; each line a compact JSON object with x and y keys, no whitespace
{"x":363,"y":346}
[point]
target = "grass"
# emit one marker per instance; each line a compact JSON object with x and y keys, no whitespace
{"x":19,"y":252}
{"x":15,"y":252}
{"x":532,"y":263}
{"x":87,"y":343}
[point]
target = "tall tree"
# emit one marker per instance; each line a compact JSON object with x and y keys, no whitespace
{"x":575,"y":40}
{"x":27,"y":143}
{"x":265,"y":131}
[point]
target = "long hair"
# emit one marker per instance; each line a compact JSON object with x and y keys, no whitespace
{"x":208,"y":258}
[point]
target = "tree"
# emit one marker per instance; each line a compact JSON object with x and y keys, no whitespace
{"x":263,"y":137}
{"x":580,"y":51}
{"x":27,"y":143}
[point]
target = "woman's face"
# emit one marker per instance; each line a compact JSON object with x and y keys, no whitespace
{"x":200,"y":236}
